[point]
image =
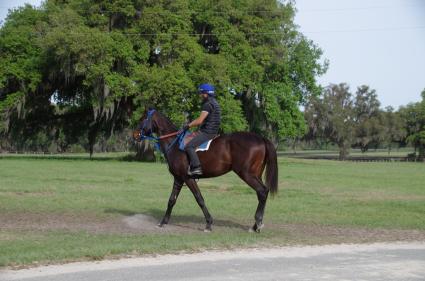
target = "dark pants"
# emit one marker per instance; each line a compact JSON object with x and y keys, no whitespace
{"x":193,"y":144}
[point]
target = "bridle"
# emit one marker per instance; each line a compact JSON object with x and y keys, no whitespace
{"x":156,"y":140}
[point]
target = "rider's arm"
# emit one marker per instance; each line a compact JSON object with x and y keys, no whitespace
{"x":198,"y":121}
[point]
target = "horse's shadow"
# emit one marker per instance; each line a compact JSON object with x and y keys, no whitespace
{"x":178,"y":219}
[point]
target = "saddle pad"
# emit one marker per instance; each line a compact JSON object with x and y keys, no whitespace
{"x":188,"y":136}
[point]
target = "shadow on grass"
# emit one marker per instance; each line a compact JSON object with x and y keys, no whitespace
{"x":158,"y":214}
{"x":120,"y":211}
{"x":131,"y":157}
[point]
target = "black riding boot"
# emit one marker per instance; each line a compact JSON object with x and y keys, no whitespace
{"x":194,"y":171}
{"x":190,"y":148}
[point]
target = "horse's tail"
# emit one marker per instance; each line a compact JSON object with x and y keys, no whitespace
{"x":271,"y":169}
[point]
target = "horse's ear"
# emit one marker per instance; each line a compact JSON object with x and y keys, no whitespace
{"x":144,"y":114}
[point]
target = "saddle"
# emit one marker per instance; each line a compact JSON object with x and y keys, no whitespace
{"x":188,"y":136}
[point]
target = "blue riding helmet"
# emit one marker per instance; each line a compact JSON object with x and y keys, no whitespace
{"x":206,"y":88}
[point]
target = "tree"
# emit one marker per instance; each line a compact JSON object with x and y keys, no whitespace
{"x":369,"y":128}
{"x":332,"y":117}
{"x":414,"y":116}
{"x":20,"y":77}
{"x":394,"y":128}
{"x":82,"y":70}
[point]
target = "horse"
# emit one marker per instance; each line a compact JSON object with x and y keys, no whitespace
{"x":247,"y":154}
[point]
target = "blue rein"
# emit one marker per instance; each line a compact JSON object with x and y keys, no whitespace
{"x":157,"y":139}
{"x":149,"y":138}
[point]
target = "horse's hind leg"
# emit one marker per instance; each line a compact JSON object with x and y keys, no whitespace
{"x":262,"y":194}
{"x":177,"y":186}
{"x":193,"y":186}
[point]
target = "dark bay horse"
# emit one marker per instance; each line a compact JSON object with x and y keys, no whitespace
{"x":246,"y":154}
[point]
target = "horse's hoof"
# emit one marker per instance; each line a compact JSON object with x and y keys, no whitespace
{"x":207,"y":229}
{"x":260,"y":227}
{"x":160,"y":225}
{"x":256,"y":228}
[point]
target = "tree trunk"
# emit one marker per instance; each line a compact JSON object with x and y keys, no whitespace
{"x":145,"y":152}
{"x":294,"y":144}
{"x":343,"y":151}
{"x":92,"y":136}
{"x":421,"y":155}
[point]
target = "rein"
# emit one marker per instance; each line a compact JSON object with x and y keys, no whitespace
{"x":156,"y":140}
{"x":168,"y":135}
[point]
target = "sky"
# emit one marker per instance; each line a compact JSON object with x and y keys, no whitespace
{"x":379,"y":43}
{"x":8,"y":4}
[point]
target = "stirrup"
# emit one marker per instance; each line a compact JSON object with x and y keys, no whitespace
{"x":195,"y":171}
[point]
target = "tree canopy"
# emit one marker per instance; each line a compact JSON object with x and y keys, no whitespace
{"x":75,"y":70}
{"x":331,"y":117}
{"x":414,"y":116}
{"x":357,"y":121}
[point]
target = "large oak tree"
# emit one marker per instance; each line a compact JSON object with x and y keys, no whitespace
{"x":74,"y":70}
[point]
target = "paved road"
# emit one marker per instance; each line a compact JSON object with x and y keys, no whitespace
{"x":400,"y":261}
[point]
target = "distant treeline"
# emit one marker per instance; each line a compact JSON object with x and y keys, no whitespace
{"x":356,"y":120}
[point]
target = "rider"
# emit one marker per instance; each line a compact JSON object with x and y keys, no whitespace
{"x":210,"y":124}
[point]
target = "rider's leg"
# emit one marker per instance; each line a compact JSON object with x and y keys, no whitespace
{"x":191,"y":147}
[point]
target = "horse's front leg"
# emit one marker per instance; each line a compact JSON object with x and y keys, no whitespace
{"x":177,"y":187}
{"x":193,"y":186}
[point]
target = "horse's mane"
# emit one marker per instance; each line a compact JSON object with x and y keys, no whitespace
{"x":168,"y":121}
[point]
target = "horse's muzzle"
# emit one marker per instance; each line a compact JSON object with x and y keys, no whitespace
{"x":137,"y":135}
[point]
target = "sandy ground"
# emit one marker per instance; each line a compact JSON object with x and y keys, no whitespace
{"x":146,"y":224}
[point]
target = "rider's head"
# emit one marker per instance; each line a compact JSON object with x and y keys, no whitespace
{"x":206,"y":90}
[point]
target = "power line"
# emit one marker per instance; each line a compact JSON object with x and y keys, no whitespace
{"x":367,"y":29}
{"x":280,"y":33}
{"x":269,"y":11}
{"x":191,"y":11}
{"x":353,"y":9}
{"x":247,"y":33}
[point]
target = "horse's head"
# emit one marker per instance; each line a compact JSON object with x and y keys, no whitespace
{"x":147,"y":125}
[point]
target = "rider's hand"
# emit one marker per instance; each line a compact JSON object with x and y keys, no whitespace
{"x":186,"y":127}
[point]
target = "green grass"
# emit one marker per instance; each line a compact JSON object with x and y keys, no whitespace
{"x":355,"y":153}
{"x":313,"y":193}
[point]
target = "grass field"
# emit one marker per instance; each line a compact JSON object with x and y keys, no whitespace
{"x":62,"y":209}
{"x":354,"y":153}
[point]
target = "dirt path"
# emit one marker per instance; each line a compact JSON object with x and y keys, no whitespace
{"x":146,"y":224}
{"x":138,"y":223}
